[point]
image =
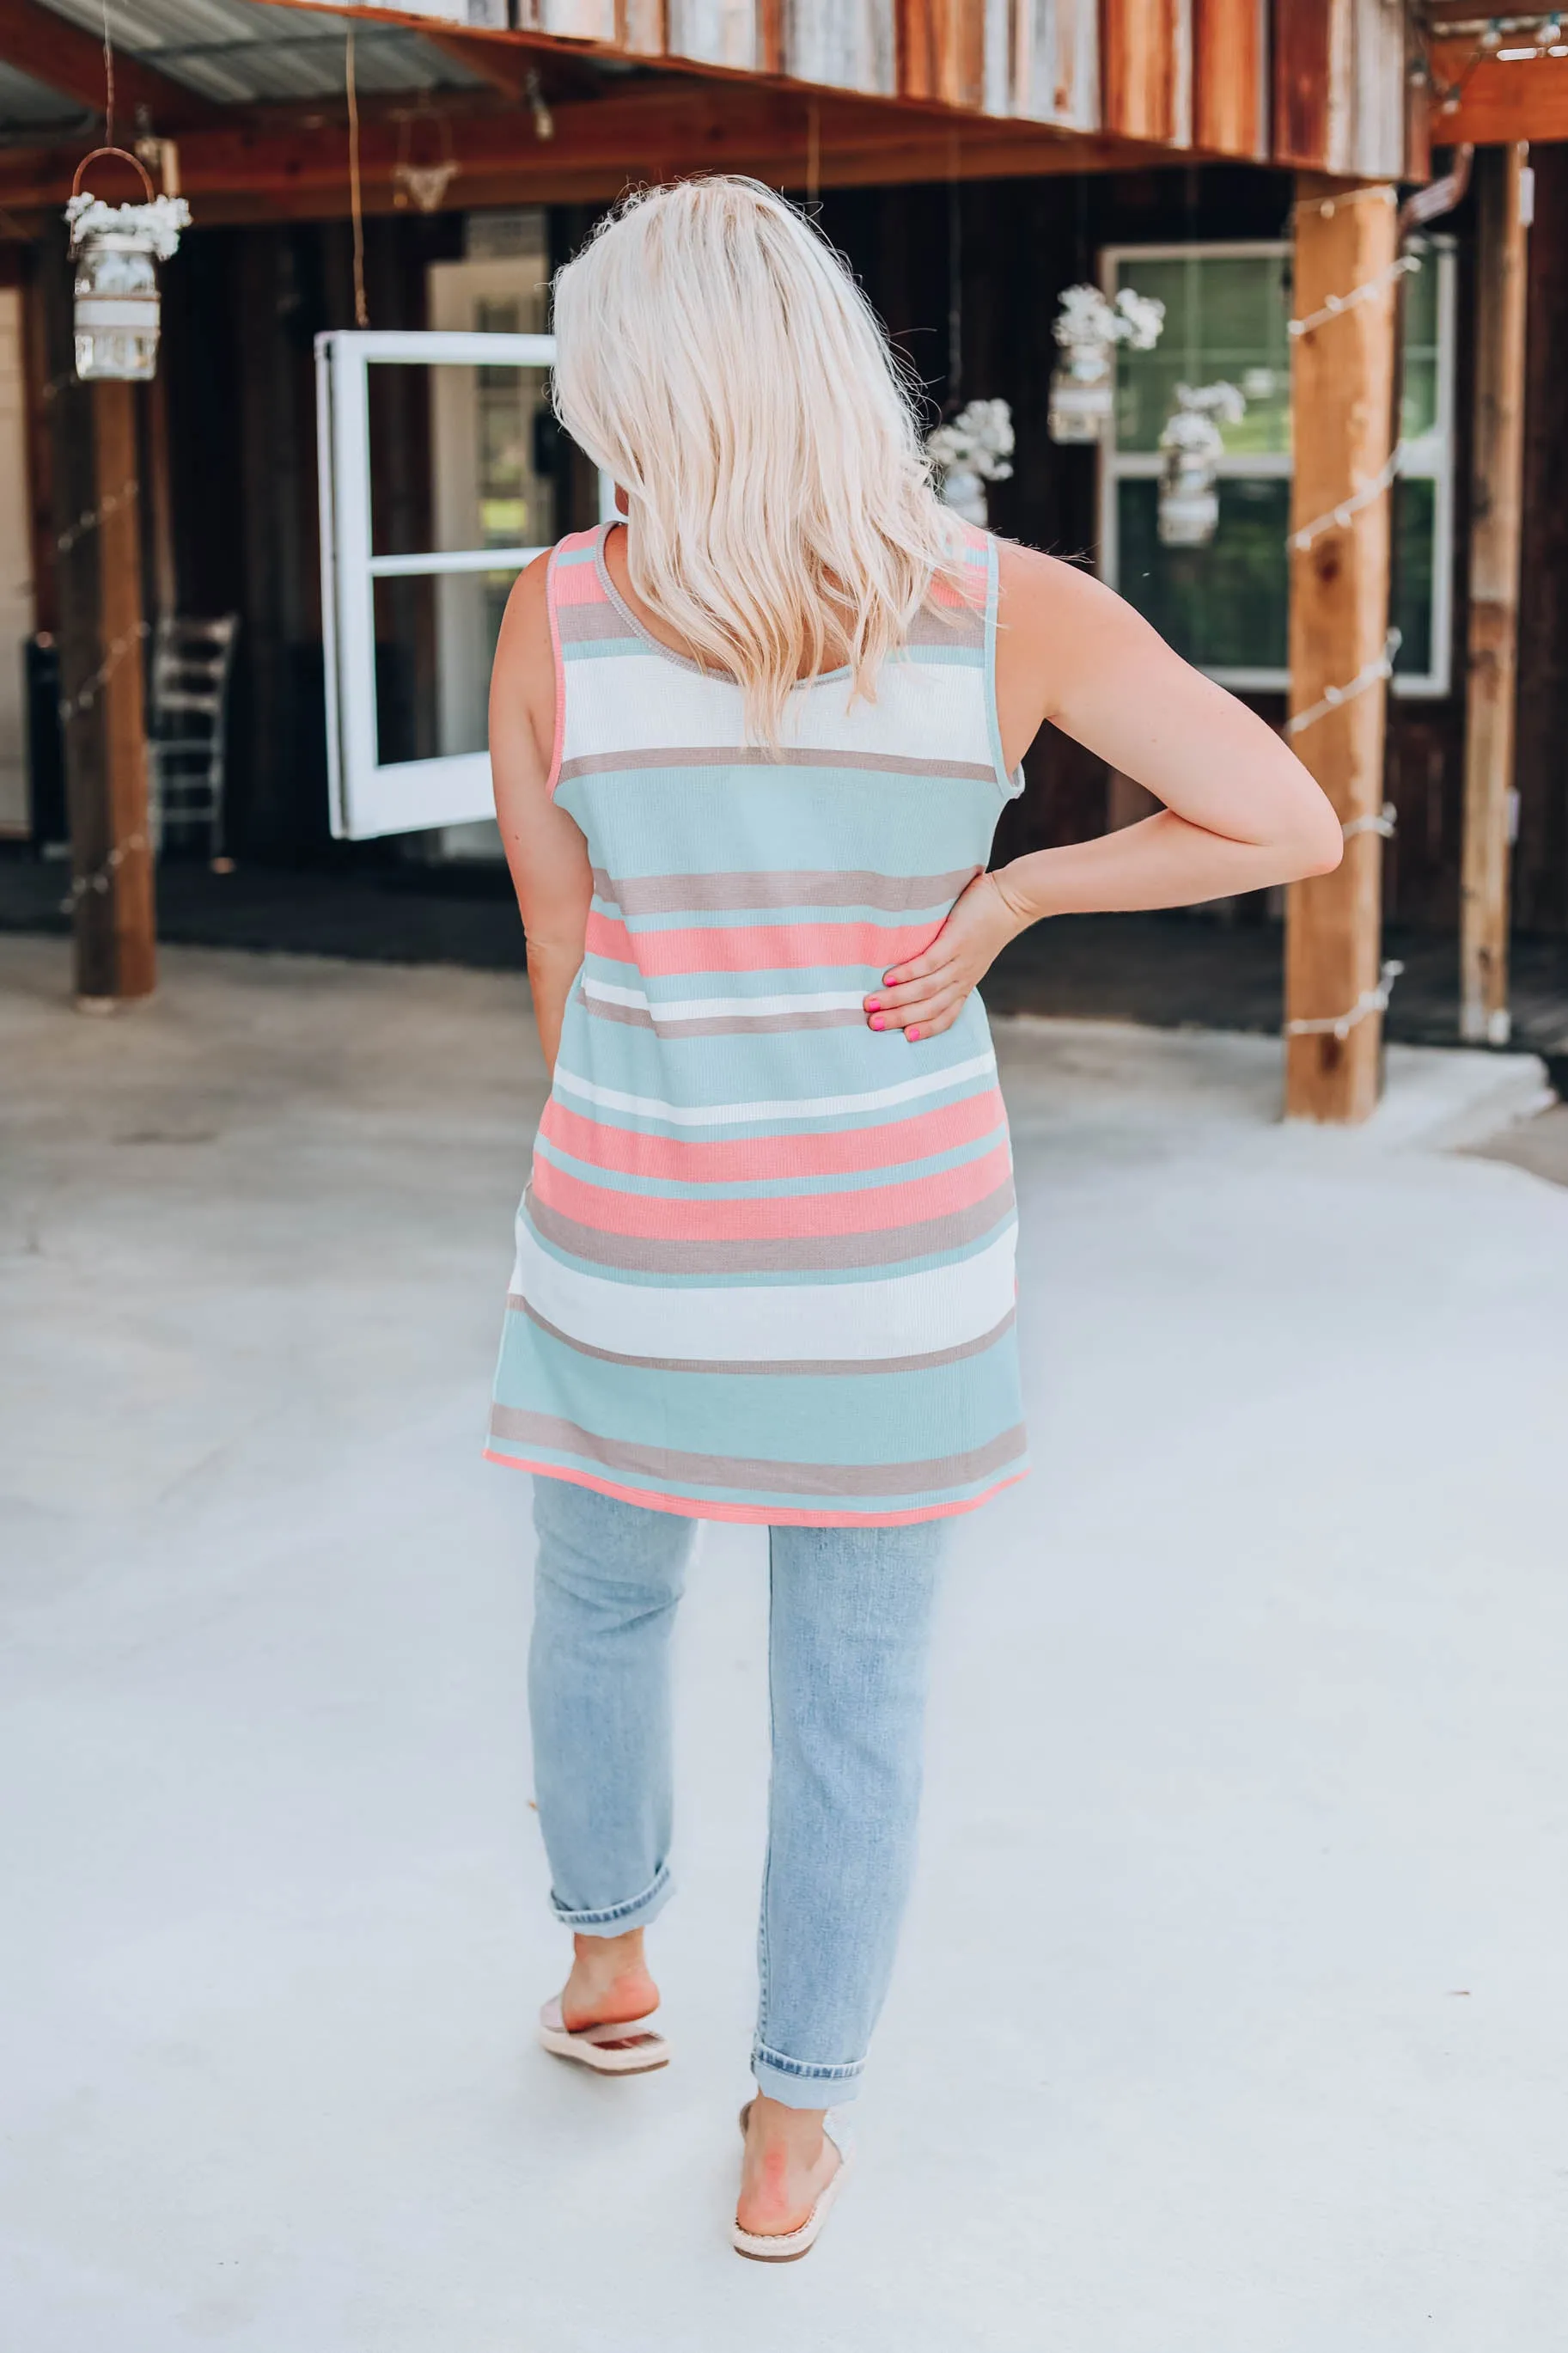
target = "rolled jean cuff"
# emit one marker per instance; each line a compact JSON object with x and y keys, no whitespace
{"x":619,"y":1919}
{"x":798,"y":2085}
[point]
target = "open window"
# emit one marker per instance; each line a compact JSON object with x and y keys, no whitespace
{"x":438,"y":485}
{"x":1224,"y":606}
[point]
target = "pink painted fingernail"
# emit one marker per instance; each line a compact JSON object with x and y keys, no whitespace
{"x":877,"y":1021}
{"x":911,"y":1035}
{"x":873,"y":1005}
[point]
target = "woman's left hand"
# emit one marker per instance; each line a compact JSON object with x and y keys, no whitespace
{"x":927,"y":994}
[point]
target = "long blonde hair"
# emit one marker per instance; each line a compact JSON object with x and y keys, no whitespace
{"x":714,"y":355}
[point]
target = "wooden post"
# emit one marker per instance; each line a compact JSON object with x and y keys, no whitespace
{"x":1341,"y":399}
{"x":1497,"y":516}
{"x":102,"y":637}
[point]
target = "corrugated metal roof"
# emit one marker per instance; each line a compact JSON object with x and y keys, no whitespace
{"x":237,"y":52}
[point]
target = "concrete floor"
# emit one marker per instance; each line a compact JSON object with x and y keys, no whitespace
{"x":1230,"y":2019}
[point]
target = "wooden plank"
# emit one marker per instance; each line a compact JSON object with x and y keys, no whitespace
{"x":716,"y":33}
{"x":1148,"y":79}
{"x":1496,"y":521}
{"x":1055,"y":62}
{"x":1479,"y":99}
{"x":571,"y":20}
{"x":640,"y":27}
{"x":1340,"y":86}
{"x":1230,"y":77}
{"x":62,"y":56}
{"x":842,"y":44}
{"x":941,"y":51}
{"x":1341,"y":395}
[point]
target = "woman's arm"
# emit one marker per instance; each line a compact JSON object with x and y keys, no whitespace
{"x":546,"y":853}
{"x":1241,"y":812}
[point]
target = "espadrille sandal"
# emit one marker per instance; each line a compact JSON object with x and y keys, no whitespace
{"x":788,"y":2246}
{"x":633,"y":2047}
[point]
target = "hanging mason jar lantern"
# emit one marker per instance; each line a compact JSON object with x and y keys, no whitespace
{"x":970,"y":450}
{"x":116,"y":249}
{"x":1191,"y":447}
{"x":1089,"y":330}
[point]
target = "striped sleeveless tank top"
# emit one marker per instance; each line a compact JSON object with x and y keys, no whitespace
{"x":765,"y":1260}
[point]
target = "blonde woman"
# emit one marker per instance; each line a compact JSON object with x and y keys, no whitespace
{"x":749,"y":750}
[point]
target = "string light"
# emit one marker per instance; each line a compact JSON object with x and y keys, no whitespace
{"x":1340,"y":1025}
{"x":1338,"y":305}
{"x":90,"y":518}
{"x":71,"y":706}
{"x":1382,"y":821}
{"x":100,"y":881}
{"x":1338,"y":518}
{"x":1334,"y":698}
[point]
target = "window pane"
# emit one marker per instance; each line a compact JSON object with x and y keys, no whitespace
{"x":1415,"y":531}
{"x":1418,"y":390}
{"x":434,"y":642}
{"x":1225,"y":322}
{"x":1223,"y":606}
{"x":454,"y":451}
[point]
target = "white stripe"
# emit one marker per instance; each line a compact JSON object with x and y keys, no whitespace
{"x":698,"y":1009}
{"x":800,"y":1107}
{"x":905,"y":1315}
{"x":923,"y":711}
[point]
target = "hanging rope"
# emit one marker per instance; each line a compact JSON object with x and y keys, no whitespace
{"x":107,"y":78}
{"x":356,"y":206}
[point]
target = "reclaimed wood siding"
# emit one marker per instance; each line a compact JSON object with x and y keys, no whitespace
{"x":1055,"y":62}
{"x":941,"y":51}
{"x":717,"y":33}
{"x":1340,"y":99}
{"x":842,"y":44}
{"x":639,"y":27}
{"x":1148,"y":69}
{"x":1230,"y":77}
{"x":570,"y":20}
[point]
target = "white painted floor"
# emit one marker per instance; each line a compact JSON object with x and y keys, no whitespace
{"x":1231,"y":2017}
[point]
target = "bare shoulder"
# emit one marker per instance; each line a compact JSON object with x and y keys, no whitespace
{"x":1039,"y":592}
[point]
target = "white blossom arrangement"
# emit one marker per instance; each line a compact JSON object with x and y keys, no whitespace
{"x":156,"y":224}
{"x":1089,"y":325}
{"x":978,"y":441}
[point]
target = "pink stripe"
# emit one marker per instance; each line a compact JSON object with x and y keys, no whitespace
{"x":673,"y":1159}
{"x":558,"y":744}
{"x":578,"y":584}
{"x":775,"y":1515}
{"x":758,"y":947}
{"x":881,"y":1209}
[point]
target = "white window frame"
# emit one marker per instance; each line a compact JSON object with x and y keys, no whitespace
{"x":1428,"y":458}
{"x":370,"y":797}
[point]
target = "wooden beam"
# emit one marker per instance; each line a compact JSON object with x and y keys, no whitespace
{"x":599,"y":147}
{"x":941,"y":51}
{"x":1496,"y":523}
{"x":61,"y":55}
{"x":1478,"y":98}
{"x":1340,"y":87}
{"x":1342,"y":401}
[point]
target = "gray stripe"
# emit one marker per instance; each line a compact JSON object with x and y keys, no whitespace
{"x":807,"y":1367}
{"x":755,"y":1025}
{"x":682,"y":894}
{"x":752,"y":755}
{"x":945,"y":625}
{"x":580,"y":624}
{"x":658,"y":1463}
{"x":780,"y":1254}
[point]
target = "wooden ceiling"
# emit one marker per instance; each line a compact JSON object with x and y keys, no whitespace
{"x":835,"y":91}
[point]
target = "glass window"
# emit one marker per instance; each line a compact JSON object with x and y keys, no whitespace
{"x":1224,"y":606}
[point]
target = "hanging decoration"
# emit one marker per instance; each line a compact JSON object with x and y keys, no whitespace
{"x":1191,"y":447}
{"x":970,"y":450}
{"x":1089,"y":330}
{"x":423,"y":184}
{"x":116,"y":249}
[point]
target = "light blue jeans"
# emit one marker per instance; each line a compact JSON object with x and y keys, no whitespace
{"x":849,"y":1623}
